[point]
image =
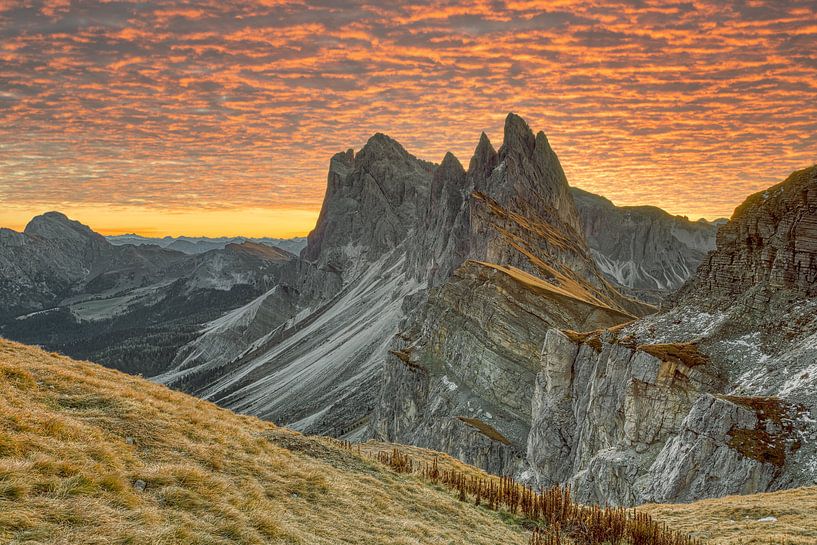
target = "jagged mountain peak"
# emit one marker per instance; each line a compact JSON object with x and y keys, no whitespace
{"x":381,"y":147}
{"x":370,"y":205}
{"x":484,"y":159}
{"x":450,"y":164}
{"x":518,"y":137}
{"x":527,"y":169}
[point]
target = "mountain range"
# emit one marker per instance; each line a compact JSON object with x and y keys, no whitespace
{"x":490,"y":312}
{"x":199,"y":245}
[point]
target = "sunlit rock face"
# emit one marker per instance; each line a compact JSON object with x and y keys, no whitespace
{"x":712,"y":396}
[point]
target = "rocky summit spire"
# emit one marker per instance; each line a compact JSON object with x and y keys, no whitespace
{"x":442,"y":239}
{"x":484,"y":159}
{"x":518,"y":136}
{"x":450,"y":168}
{"x":447,"y":185}
{"x":523,"y":214}
{"x":371,"y":205}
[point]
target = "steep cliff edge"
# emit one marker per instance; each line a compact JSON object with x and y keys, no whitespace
{"x":713,"y":396}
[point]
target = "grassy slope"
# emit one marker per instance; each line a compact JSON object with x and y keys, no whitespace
{"x":67,"y":471}
{"x":732,"y":520}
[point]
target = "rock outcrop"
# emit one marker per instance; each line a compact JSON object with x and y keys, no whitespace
{"x":711,"y":396}
{"x":460,"y":378}
{"x":769,"y":248}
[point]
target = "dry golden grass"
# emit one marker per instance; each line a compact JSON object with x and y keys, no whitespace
{"x":75,"y":437}
{"x":734,"y":520}
{"x":686,"y":354}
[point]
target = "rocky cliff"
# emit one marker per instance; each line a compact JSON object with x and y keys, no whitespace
{"x":504,"y":255}
{"x":308,"y":353}
{"x":643,"y":250}
{"x":712,"y":396}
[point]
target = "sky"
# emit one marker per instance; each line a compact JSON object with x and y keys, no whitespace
{"x":219,"y":118}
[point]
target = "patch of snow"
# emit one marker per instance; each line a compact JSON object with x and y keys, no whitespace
{"x":450,"y":385}
{"x":805,"y":379}
{"x":767,"y":519}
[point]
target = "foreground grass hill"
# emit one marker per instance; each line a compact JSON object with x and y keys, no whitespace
{"x":90,"y":455}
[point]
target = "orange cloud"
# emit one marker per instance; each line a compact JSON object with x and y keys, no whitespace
{"x":239,"y":105}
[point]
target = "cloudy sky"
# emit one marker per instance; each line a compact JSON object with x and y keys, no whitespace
{"x":217,"y":117}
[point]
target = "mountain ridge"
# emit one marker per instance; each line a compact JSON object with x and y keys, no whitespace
{"x":391,"y":225}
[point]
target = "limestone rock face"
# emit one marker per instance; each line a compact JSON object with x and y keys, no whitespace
{"x":506,"y":261}
{"x":726,"y":445}
{"x":769,"y":246}
{"x":713,"y":395}
{"x":642,"y":249}
{"x":602,"y":411}
{"x":471,"y":358}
